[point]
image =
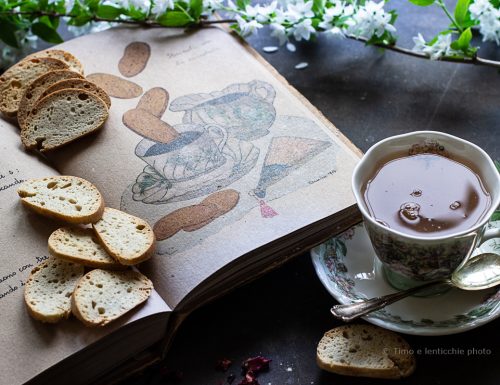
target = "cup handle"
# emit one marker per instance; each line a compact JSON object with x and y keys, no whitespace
{"x":489,"y":234}
{"x":222,"y":131}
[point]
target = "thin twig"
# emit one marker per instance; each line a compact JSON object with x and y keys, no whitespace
{"x":143,"y":23}
{"x":204,"y":22}
{"x":405,"y":51}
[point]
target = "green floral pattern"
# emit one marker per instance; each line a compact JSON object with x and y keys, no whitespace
{"x":334,"y":256}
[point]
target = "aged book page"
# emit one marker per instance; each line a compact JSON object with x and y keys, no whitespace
{"x":220,"y":155}
{"x":28,"y":347}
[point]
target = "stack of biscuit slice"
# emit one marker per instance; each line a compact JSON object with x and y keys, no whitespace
{"x":51,"y":100}
{"x":107,"y":249}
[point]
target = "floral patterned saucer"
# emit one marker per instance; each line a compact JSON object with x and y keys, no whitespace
{"x":349,"y":270}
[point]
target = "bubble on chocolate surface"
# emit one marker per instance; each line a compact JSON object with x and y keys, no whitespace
{"x":409,"y":211}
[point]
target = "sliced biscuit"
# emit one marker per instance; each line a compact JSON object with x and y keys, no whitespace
{"x":115,"y":86}
{"x":80,"y":84}
{"x":66,"y":57}
{"x":80,"y":245}
{"x":48,"y":290}
{"x":126,"y":238}
{"x":36,"y":89}
{"x":62,"y":117}
{"x":102,"y":296}
{"x":366,"y":351}
{"x":17,"y":78}
{"x":66,"y":198}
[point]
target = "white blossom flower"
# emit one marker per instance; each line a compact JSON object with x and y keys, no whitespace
{"x":142,"y":5}
{"x":250,"y":11}
{"x":339,"y":9}
{"x":211,"y":4}
{"x":264,"y":13}
{"x":303,"y":30}
{"x":337,"y":32}
{"x":161,"y":6}
{"x":489,"y":27}
{"x":336,"y":10}
{"x":299,"y":10}
{"x":370,"y":20}
{"x":420,"y":43}
{"x":231,"y":5}
{"x":68,"y":5}
{"x":479,"y":7}
{"x":348,"y":10}
{"x":488,"y":18}
{"x":437,"y":50}
{"x":279,"y":32}
{"x":280,"y":16}
{"x":247,"y":27}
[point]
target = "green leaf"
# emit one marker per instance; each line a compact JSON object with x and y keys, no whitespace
{"x":497,"y":164}
{"x":6,"y":5}
{"x":136,"y":14}
{"x":80,"y":20}
{"x":242,"y":3}
{"x":196,"y":8}
{"x":46,"y":33}
{"x":92,"y":5}
{"x":464,"y":40}
{"x":174,"y":19}
{"x":461,"y":10}
{"x":318,"y":6}
{"x":43,"y":4}
{"x":496,"y":216}
{"x":108,"y":12}
{"x":422,"y":3}
{"x":7,"y":33}
{"x":29,"y":7}
{"x":48,"y":21}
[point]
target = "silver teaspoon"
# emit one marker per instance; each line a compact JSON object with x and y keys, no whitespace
{"x":479,"y":272}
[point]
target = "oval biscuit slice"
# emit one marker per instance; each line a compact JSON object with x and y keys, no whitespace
{"x":66,"y":198}
{"x":48,"y":290}
{"x":102,"y":296}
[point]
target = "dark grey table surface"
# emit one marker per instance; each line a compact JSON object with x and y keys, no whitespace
{"x":368,"y":95}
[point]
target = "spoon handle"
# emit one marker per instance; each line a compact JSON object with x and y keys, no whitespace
{"x":358,"y":309}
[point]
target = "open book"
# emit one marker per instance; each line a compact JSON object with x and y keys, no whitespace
{"x":283,"y":172}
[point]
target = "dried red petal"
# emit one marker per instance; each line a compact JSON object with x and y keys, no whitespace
{"x":249,"y":379}
{"x":223,"y":364}
{"x":171,"y":375}
{"x":256,"y":364}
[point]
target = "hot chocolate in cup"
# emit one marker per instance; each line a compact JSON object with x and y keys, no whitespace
{"x":402,"y":186}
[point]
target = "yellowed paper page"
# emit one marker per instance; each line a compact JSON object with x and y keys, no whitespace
{"x":234,"y":160}
{"x":28,"y":347}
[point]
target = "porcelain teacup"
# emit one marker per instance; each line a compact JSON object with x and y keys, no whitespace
{"x":410,"y":260}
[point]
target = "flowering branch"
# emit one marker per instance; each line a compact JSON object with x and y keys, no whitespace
{"x":144,"y":23}
{"x":22,"y":22}
{"x":473,"y":60}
